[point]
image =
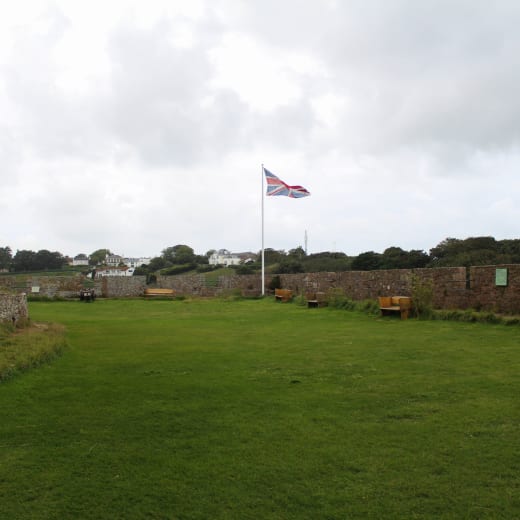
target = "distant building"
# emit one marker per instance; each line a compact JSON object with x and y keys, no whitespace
{"x":114,"y":260}
{"x":80,"y":259}
{"x":136,"y":262}
{"x":224,"y":257}
{"x":114,"y":271}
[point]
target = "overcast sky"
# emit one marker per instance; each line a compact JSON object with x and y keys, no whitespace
{"x":135,"y":126}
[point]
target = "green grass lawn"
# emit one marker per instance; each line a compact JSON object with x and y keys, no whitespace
{"x":255,"y":410}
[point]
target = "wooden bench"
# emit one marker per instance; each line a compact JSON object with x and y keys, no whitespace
{"x":283,"y":295}
{"x":154,"y":291}
{"x":395,"y":304}
{"x":316,"y":299}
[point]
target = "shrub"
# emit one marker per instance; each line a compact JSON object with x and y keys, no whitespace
{"x":422,"y":297}
{"x":206,"y":268}
{"x":368,"y":306}
{"x":178,"y":269}
{"x":245,"y":269}
{"x":275,"y":283}
{"x":338,"y":300}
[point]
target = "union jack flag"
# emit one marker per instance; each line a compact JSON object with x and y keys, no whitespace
{"x":276,"y":186}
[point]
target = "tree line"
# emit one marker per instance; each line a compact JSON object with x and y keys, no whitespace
{"x":26,"y":260}
{"x":451,"y":252}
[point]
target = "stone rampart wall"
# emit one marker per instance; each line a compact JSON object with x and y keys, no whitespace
{"x":486,"y":295}
{"x":198,"y":285}
{"x":122,"y":286}
{"x":13,"y":307}
{"x":452,"y":287}
{"x":49,"y":286}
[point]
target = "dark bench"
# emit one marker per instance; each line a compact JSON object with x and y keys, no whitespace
{"x":87,"y":295}
{"x":395,"y":304}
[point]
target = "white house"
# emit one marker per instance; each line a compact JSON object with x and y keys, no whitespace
{"x":114,"y":271}
{"x":136,"y":262}
{"x":80,"y":259}
{"x":224,"y":257}
{"x":114,"y":260}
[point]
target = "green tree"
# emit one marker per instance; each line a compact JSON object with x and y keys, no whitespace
{"x":98,"y":256}
{"x":6,"y":257}
{"x":453,"y":252}
{"x":290,"y":265}
{"x":45,"y":259}
{"x":297,"y":253}
{"x":397,"y":258}
{"x":510,"y":249}
{"x":157,"y":263}
{"x":327,"y":261}
{"x":179,"y":254}
{"x":24,"y":260}
{"x":271,"y":256}
{"x":367,"y":261}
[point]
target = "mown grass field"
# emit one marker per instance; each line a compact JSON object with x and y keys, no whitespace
{"x":256,"y":410}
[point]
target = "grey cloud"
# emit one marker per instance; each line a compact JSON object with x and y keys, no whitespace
{"x":162,"y":103}
{"x":434,"y":75}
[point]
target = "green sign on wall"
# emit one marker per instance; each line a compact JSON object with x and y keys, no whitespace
{"x":501,"y":277}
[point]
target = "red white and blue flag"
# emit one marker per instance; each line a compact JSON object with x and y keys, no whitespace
{"x":276,"y":187}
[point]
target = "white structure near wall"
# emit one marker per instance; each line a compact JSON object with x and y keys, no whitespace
{"x":80,"y":259}
{"x":224,"y":257}
{"x":136,"y":262}
{"x":114,"y":271}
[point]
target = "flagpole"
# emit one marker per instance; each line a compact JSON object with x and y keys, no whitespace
{"x":263,"y":259}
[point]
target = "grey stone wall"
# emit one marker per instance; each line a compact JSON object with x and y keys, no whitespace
{"x":122,"y":286}
{"x":49,"y":286}
{"x":13,"y":307}
{"x":199,"y":285}
{"x":453,"y":287}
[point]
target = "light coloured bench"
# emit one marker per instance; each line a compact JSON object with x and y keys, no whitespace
{"x":316,"y":299}
{"x":154,"y":291}
{"x":283,"y":295}
{"x":395,"y":304}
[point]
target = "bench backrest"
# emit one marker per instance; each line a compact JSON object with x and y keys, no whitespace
{"x":158,"y":291}
{"x":405,"y":303}
{"x":321,"y":296}
{"x":385,"y":301}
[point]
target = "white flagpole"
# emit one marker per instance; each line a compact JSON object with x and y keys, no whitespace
{"x":263,"y":259}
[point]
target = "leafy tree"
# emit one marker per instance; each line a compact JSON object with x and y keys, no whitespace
{"x":271,"y":256}
{"x":24,"y":260}
{"x":397,"y":258}
{"x":141,"y":270}
{"x":245,"y":269}
{"x":157,"y":263}
{"x":45,"y":259}
{"x":201,"y":260}
{"x":327,"y":261}
{"x":179,"y":254}
{"x":290,"y":265}
{"x":98,"y":256}
{"x":6,"y":257}
{"x":453,"y":252}
{"x":297,"y":254}
{"x":510,"y":249}
{"x":367,"y":261}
